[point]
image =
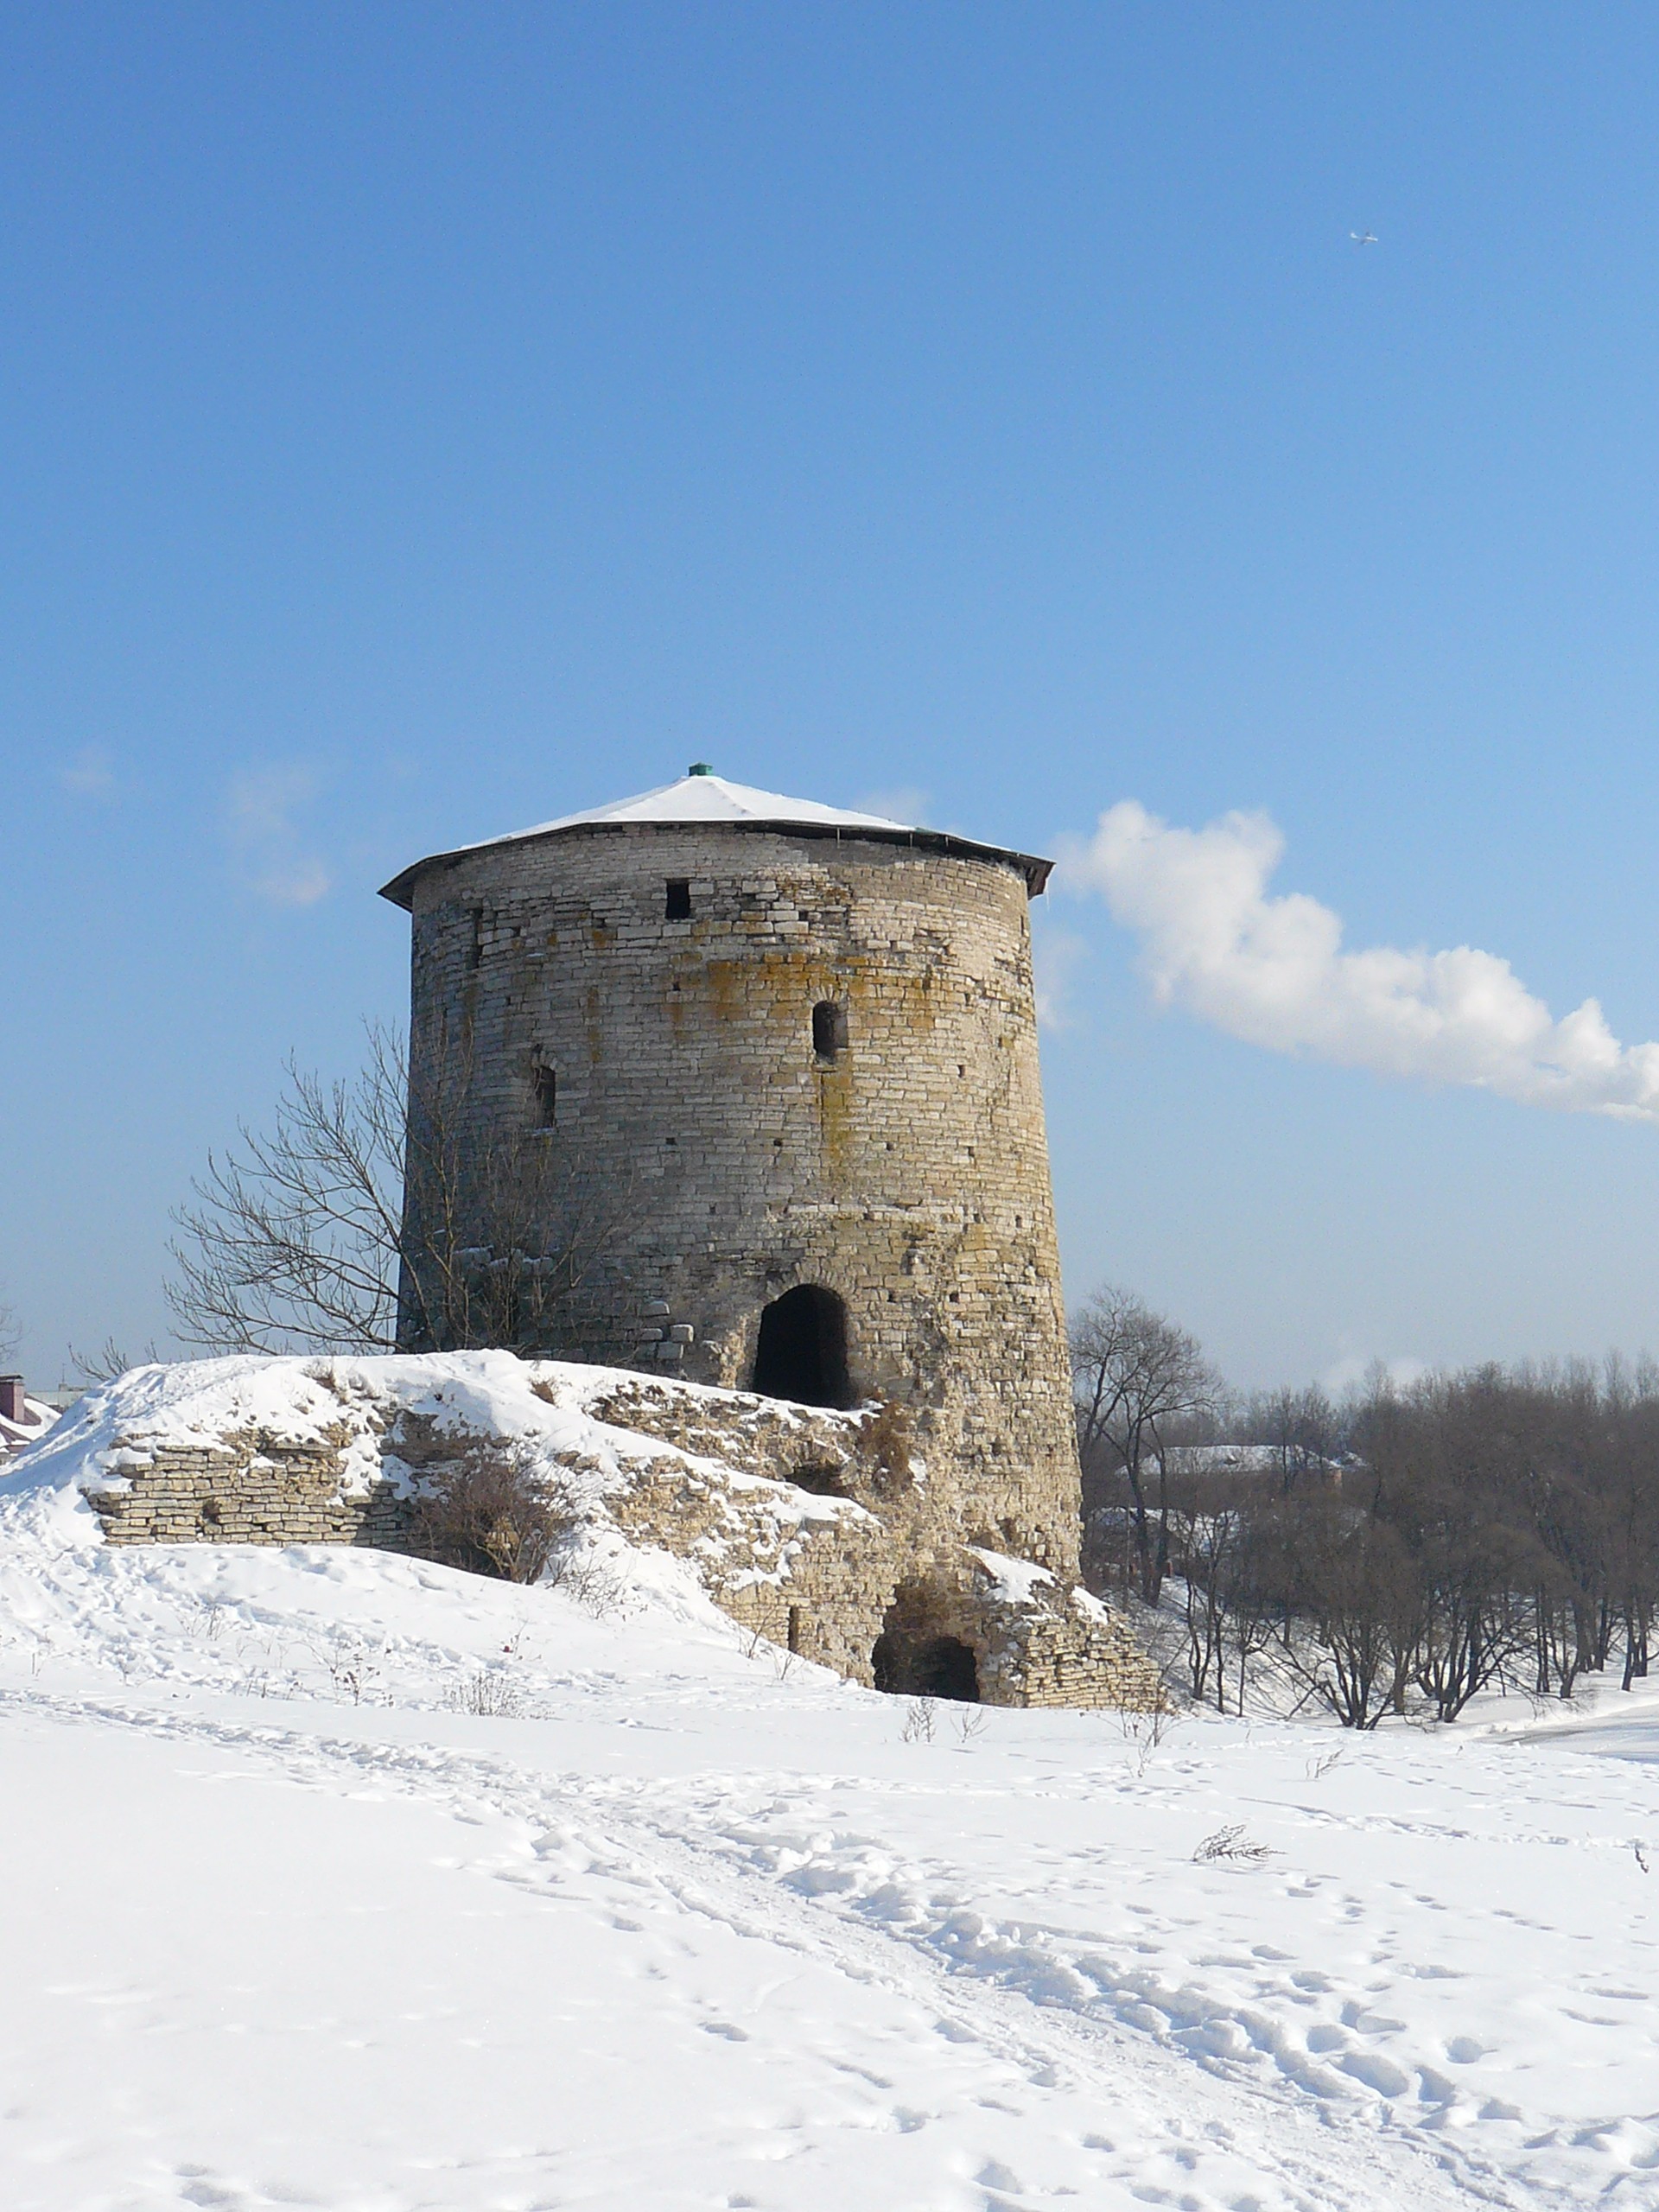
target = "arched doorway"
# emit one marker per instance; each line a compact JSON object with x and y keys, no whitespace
{"x":905,"y":1664}
{"x":801,"y":1352}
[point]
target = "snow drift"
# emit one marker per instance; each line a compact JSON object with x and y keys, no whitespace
{"x":338,"y":1878}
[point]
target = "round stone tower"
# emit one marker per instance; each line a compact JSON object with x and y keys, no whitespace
{"x":770,"y":1069}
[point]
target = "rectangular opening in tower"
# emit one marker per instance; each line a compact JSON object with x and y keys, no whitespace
{"x":678,"y":906}
{"x":828,"y":1029}
{"x":547,"y":1098}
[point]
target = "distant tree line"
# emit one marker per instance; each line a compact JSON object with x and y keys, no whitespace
{"x":1399,"y":1552}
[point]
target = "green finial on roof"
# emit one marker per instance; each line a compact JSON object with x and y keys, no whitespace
{"x":699,"y":768}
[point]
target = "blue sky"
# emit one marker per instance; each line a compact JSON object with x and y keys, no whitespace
{"x":418,"y":420}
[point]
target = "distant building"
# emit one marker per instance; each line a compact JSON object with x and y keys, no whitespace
{"x":23,"y":1419}
{"x":1255,"y":1463}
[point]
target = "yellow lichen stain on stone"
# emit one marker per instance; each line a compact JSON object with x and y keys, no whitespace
{"x":919,"y":998}
{"x":834,"y":1081}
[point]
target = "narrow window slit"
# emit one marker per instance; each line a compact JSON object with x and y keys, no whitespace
{"x":678,"y":905}
{"x":828,"y":1029}
{"x":547,"y":1097}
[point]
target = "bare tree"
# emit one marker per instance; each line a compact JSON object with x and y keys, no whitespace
{"x":1302,"y":1427}
{"x":1210,"y":1538}
{"x":386,"y":1212}
{"x":108,"y":1362}
{"x":11,"y":1335}
{"x":1135,"y":1374}
{"x":1359,"y":1586}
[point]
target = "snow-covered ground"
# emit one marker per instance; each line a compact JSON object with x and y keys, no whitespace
{"x":335,"y":1879}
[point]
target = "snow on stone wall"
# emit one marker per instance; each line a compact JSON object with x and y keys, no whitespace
{"x":796,"y":1521}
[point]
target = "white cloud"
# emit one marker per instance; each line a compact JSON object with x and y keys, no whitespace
{"x":1273,"y":971}
{"x":904,"y":803}
{"x":91,"y":774}
{"x":1354,"y":1371}
{"x":1056,"y":955}
{"x":295,"y":883}
{"x":261,"y":808}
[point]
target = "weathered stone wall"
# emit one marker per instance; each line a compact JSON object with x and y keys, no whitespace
{"x":827,"y":1581}
{"x":758,"y":1436}
{"x":1073,"y":1651}
{"x":709,"y":1477}
{"x":810,"y":1573}
{"x":909,"y":1174}
{"x":249,"y":1488}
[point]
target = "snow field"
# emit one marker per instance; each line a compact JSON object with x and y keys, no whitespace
{"x":341,"y":1881}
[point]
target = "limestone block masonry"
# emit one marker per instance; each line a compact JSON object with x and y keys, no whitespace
{"x":249,"y":1487}
{"x":785,"y":1054}
{"x":794,"y":1519}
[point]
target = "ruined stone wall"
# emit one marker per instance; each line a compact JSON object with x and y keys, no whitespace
{"x":909,"y":1174}
{"x":249,"y":1488}
{"x":821,"y":1573}
{"x":1074,"y":1652}
{"x":811,"y":1574}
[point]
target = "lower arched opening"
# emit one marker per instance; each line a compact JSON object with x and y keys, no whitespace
{"x":934,"y":1666}
{"x":916,"y":1656}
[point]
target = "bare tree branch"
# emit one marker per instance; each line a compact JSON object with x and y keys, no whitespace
{"x":108,"y":1362}
{"x":1135,"y":1373}
{"x":386,"y":1212}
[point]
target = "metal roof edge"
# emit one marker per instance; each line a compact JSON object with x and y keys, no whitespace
{"x":1036,"y":870}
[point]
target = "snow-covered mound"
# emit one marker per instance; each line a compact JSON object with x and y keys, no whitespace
{"x":117,"y":1428}
{"x":338,"y":1878}
{"x":805,"y":1525}
{"x":364,"y":1418}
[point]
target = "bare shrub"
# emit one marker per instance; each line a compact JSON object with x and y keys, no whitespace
{"x":493,"y":1510}
{"x":884,"y":1443}
{"x":1145,"y":1730}
{"x":601,"y":1589}
{"x":918,"y":1721}
{"x":487,"y":1694}
{"x":1230,"y":1844}
{"x":349,"y":1668}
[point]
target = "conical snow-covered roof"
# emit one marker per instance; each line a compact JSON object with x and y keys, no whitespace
{"x":702,"y":796}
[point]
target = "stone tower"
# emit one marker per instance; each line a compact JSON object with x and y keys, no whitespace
{"x":789,"y":1054}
